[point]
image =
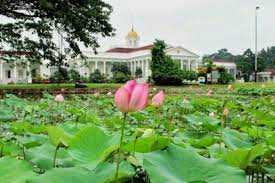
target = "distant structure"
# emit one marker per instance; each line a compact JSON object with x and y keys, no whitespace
{"x":267,"y":75}
{"x":135,"y":56}
{"x":229,"y":65}
{"x":132,"y":54}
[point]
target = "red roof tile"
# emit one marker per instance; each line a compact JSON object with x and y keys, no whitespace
{"x":129,"y":50}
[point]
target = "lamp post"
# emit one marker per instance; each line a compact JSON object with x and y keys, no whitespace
{"x":256,"y":41}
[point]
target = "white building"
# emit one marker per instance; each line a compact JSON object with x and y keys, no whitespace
{"x":230,"y":66}
{"x":134,"y":55}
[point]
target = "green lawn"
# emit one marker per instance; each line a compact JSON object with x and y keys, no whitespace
{"x":55,"y":86}
{"x":239,"y":88}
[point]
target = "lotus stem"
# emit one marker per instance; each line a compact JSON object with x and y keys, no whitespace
{"x":55,"y":156}
{"x":120,"y":145}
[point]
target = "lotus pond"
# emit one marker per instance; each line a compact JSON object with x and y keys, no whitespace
{"x":189,"y":139}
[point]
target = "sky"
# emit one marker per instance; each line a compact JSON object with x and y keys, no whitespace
{"x":202,"y":26}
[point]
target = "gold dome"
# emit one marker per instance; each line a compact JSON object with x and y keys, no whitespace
{"x":132,"y":34}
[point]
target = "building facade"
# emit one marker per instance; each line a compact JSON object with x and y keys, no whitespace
{"x":230,"y":66}
{"x":135,"y":56}
{"x":132,"y":54}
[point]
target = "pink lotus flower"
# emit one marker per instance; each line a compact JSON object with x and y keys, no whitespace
{"x":158,"y":99}
{"x":230,"y":87}
{"x":209,"y":93}
{"x":96,"y":94}
{"x":59,"y":98}
{"x":226,"y":111}
{"x":132,"y":97}
{"x":185,"y":101}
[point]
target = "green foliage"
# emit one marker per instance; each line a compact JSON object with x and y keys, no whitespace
{"x":60,"y":76}
{"x":176,"y":164}
{"x":8,"y":173}
{"x":189,"y":75}
{"x":164,"y":70}
{"x":138,"y":72}
{"x":225,"y":77}
{"x":222,"y":54}
{"x":73,"y":75}
{"x":79,"y":22}
{"x":97,"y":77}
{"x":176,"y":142}
{"x":121,"y":73}
{"x":92,"y":151}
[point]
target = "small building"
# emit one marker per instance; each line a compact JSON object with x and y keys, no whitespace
{"x":229,"y":65}
{"x":266,"y":76}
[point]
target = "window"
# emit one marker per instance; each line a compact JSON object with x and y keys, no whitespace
{"x":8,"y":74}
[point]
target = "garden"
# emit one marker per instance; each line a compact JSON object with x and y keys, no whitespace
{"x":142,"y":134}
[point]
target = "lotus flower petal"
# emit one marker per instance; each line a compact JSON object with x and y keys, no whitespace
{"x":122,"y":98}
{"x":139,"y":97}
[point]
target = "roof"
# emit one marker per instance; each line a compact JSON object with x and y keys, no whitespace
{"x":223,"y":61}
{"x":129,"y":50}
{"x":272,"y":71}
{"x":14,"y":53}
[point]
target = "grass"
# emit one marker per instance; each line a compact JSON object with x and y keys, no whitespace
{"x":55,"y":86}
{"x":185,"y":89}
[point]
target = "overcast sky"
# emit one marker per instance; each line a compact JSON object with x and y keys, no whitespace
{"x":203,"y":26}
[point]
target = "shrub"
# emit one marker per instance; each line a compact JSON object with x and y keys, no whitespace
{"x":120,"y":77}
{"x":121,"y":73}
{"x":164,"y":70}
{"x":97,"y":77}
{"x":74,"y":75}
{"x":60,"y":76}
{"x":190,"y":75}
{"x":225,"y":78}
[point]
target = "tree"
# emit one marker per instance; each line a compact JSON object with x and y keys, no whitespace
{"x":121,"y":73}
{"x":164,"y":70}
{"x":34,"y":23}
{"x":97,"y":77}
{"x":222,"y":54}
{"x":60,"y":76}
{"x":121,"y":67}
{"x":246,"y":64}
{"x":268,"y":57}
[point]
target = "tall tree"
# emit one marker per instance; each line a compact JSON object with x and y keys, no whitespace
{"x":32,"y":24}
{"x":164,"y":69}
{"x":222,"y":54}
{"x":246,"y":64}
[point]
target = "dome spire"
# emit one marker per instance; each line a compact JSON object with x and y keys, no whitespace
{"x":132,"y":38}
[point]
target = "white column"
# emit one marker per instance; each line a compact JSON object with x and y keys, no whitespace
{"x":104,"y":67}
{"x":142,"y":68}
{"x":29,"y":74}
{"x":133,"y":68}
{"x":189,"y":64}
{"x":96,"y":65}
{"x":146,"y":68}
{"x":181,"y":64}
{"x":15,"y":73}
{"x":1,"y":71}
{"x":135,"y":65}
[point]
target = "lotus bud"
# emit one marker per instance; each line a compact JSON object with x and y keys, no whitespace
{"x":158,"y":99}
{"x":59,"y":98}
